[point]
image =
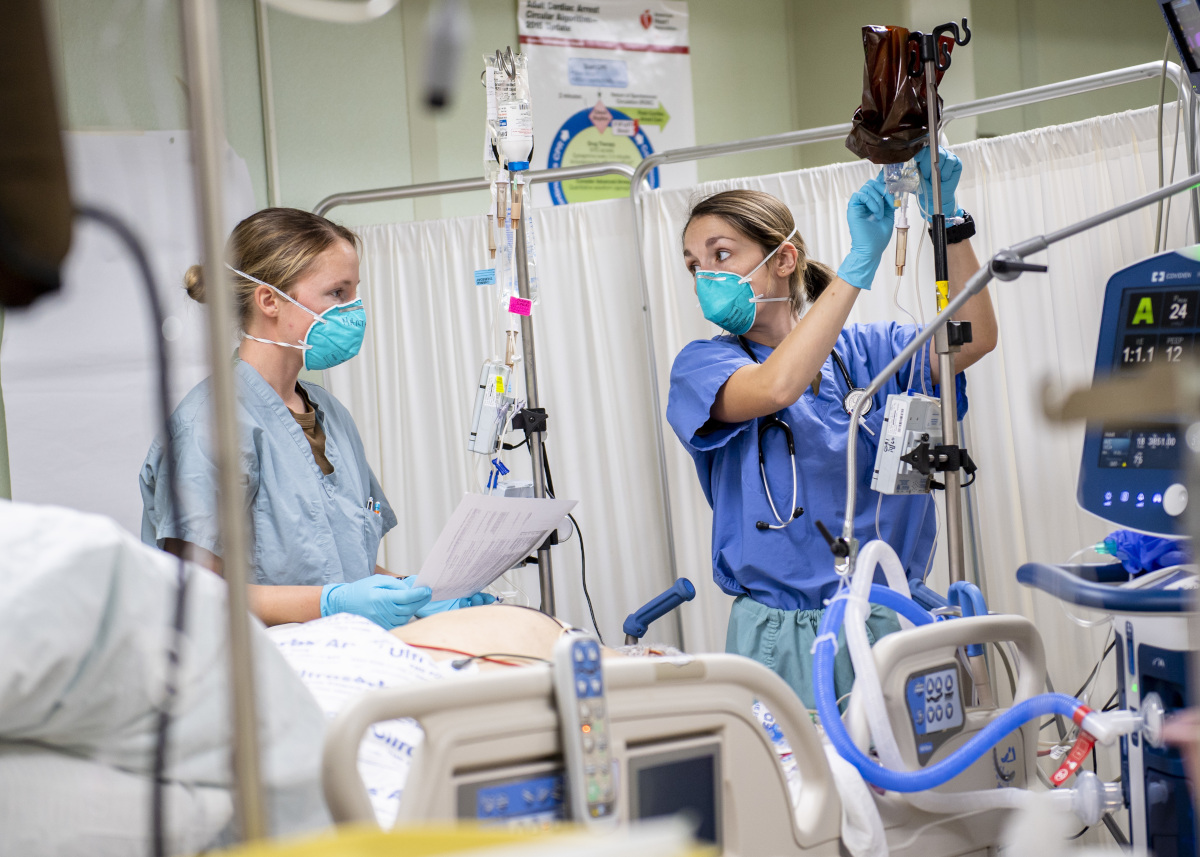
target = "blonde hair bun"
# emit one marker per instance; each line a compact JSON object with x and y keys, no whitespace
{"x":193,"y":281}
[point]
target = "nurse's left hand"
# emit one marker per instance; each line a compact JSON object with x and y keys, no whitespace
{"x":385,"y":600}
{"x":950,"y":169}
{"x":476,"y":600}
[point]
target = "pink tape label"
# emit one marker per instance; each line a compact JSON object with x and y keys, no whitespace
{"x":520,"y":306}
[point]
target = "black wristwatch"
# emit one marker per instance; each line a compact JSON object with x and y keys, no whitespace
{"x":960,"y":231}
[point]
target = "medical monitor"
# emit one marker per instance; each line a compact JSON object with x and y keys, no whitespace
{"x":681,"y":777}
{"x":1183,"y":23}
{"x":1132,"y":474}
{"x":661,"y":778}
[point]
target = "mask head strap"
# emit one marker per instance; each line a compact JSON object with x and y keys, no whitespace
{"x":787,"y":238}
{"x":277,"y":291}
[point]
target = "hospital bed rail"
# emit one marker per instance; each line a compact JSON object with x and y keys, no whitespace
{"x":499,"y":733}
{"x":481,"y":725}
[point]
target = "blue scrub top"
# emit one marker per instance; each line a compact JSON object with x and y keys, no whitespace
{"x":306,"y":528}
{"x":792,"y":568}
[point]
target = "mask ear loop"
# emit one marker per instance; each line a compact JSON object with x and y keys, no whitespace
{"x":303,"y":346}
{"x":279,"y":292}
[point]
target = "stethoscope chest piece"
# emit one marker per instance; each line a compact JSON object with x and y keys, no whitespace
{"x":852,"y":398}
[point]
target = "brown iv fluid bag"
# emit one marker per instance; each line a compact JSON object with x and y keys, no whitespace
{"x":891,"y":126}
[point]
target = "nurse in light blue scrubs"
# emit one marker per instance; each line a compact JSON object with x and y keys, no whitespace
{"x":317,"y":512}
{"x":786,"y":366}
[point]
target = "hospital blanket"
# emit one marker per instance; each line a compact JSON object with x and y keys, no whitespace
{"x":85,"y":627}
{"x":339,"y":658}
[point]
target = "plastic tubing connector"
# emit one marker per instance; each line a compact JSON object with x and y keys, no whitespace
{"x":639,"y":620}
{"x":940,"y":772}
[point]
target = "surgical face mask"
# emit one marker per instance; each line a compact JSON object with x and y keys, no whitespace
{"x":334,"y":337}
{"x":728,"y":300}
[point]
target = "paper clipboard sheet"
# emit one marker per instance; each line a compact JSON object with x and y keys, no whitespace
{"x":485,"y":537}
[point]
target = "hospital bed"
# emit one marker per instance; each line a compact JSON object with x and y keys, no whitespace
{"x":686,"y":739}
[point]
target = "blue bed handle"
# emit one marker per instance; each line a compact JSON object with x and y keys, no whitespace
{"x":969,"y":601}
{"x":639,"y":620}
{"x":1070,"y":583}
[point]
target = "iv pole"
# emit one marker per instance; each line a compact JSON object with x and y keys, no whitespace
{"x":949,"y":339}
{"x":536,"y":449}
{"x":534,"y":416}
{"x":199,"y":20}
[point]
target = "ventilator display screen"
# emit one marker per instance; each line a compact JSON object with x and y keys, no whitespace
{"x":1154,"y":448}
{"x":1131,"y":472}
{"x":1158,"y":325}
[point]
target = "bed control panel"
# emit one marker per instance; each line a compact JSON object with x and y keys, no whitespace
{"x":935,"y":707}
{"x":583,"y":714}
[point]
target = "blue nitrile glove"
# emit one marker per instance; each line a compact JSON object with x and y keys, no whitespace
{"x":1139,"y":552}
{"x":476,"y":600}
{"x":870,"y":216}
{"x":950,"y":168}
{"x":385,"y":600}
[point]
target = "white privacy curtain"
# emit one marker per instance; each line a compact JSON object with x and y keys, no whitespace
{"x":412,"y":389}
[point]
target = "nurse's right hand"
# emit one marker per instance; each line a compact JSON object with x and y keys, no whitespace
{"x":385,"y":600}
{"x":870,"y":216}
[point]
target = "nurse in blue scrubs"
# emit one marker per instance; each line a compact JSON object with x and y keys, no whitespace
{"x":317,"y":512}
{"x":783,"y":373}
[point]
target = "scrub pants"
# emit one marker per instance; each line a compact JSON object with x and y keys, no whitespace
{"x":782,"y":641}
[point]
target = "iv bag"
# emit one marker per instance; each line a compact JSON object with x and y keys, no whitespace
{"x":891,"y":125}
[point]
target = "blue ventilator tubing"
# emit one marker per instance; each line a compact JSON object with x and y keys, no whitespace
{"x":906,"y":607}
{"x":940,"y":772}
{"x":639,"y":620}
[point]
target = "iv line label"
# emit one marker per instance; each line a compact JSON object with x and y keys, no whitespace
{"x":485,"y":277}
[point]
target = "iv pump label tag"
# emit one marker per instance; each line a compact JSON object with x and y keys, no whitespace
{"x":520,"y":306}
{"x":485,"y":277}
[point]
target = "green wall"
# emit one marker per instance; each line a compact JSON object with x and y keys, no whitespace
{"x":1032,"y":42}
{"x":349,"y":114}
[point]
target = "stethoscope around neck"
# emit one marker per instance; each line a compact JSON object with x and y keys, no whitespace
{"x":775,"y":421}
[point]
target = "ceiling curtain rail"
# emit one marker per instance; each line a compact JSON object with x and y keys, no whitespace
{"x":413,"y":191}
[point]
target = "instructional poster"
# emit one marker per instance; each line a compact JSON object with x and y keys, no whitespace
{"x":610,"y":80}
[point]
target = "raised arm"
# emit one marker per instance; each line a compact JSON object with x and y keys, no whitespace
{"x":757,"y":390}
{"x":961,"y":264}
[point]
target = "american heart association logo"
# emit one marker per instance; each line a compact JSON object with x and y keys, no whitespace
{"x":647,"y":19}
